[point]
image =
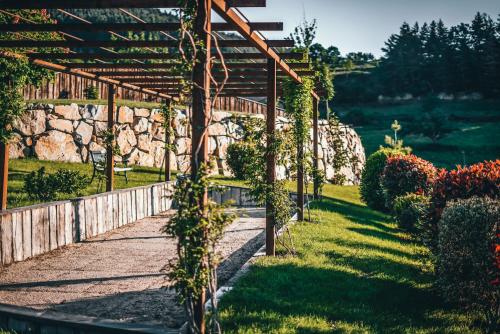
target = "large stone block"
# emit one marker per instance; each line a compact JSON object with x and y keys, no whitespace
{"x":60,"y":124}
{"x":125,"y":115}
{"x":140,"y":124}
{"x":141,"y":112}
{"x":16,"y":147}
{"x":83,"y":133}
{"x":126,"y":139}
{"x":70,"y":112}
{"x":57,"y":146}
{"x":144,"y":142}
{"x":31,"y":123}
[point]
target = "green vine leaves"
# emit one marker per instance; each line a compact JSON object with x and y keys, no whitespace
{"x":16,"y":72}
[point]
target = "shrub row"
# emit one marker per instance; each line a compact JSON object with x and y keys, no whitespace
{"x":457,"y":215}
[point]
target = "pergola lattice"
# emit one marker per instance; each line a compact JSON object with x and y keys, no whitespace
{"x":258,"y":72}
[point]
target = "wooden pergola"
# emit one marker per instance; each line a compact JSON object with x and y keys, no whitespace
{"x":257,"y":73}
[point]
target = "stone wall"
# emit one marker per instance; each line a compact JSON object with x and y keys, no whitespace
{"x":70,"y":132}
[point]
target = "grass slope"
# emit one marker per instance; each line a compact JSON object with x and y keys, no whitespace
{"x":476,"y":124}
{"x":19,"y":168}
{"x":355,"y":272}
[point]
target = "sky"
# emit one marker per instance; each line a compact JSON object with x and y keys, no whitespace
{"x":364,"y":25}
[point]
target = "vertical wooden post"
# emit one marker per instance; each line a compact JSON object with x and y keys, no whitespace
{"x":315,"y":144}
{"x":200,"y":113}
{"x":4,"y":174}
{"x":110,"y":158}
{"x":168,"y":135}
{"x":300,"y":181}
{"x":271,"y":156}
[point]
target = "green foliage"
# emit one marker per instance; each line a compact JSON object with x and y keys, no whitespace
{"x":91,"y":93}
{"x":16,"y":72}
{"x":167,"y":113}
{"x":468,"y":265}
{"x":394,"y":142}
{"x":239,"y":156}
{"x":109,"y":139}
{"x":198,"y":229}
{"x":406,"y":174}
{"x":370,"y":187}
{"x":410,"y":210}
{"x":431,"y":122}
{"x":46,"y":187}
{"x":304,"y":34}
{"x":358,"y":273}
{"x":341,"y":156}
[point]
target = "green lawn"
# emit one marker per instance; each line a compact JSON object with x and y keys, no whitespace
{"x":476,"y":124}
{"x":354,"y":272}
{"x":19,"y":168}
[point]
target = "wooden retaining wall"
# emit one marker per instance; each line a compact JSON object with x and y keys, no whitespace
{"x":30,"y":231}
{"x":33,"y":230}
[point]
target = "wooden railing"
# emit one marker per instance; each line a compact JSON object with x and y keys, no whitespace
{"x":71,"y":87}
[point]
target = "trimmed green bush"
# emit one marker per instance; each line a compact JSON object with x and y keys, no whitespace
{"x":45,"y":187}
{"x":239,"y":156}
{"x":405,"y":174}
{"x":91,"y":93}
{"x":410,"y":210}
{"x":370,"y":188}
{"x":468,"y":256}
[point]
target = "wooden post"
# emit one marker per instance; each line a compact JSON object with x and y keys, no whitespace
{"x":110,"y":158}
{"x":168,"y":134}
{"x":200,"y":115}
{"x":4,"y":174}
{"x":300,"y":181}
{"x":271,"y":156}
{"x":315,"y":145}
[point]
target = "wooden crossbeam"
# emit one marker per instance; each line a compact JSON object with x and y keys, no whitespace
{"x":86,"y":75}
{"x":224,"y":9}
{"x":90,"y":4}
{"x":129,"y":44}
{"x":155,"y":56}
{"x":125,"y":75}
{"x":94,"y":67}
{"x":119,"y":27}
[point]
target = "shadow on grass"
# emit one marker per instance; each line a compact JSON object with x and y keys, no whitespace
{"x":376,"y":293}
{"x":270,"y":293}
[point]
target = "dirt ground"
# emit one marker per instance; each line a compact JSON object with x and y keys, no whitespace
{"x":121,"y":275}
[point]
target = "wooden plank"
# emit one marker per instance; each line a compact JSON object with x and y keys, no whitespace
{"x":36,"y":232}
{"x":90,"y":218}
{"x":6,"y":238}
{"x":17,"y":236}
{"x":136,"y":26}
{"x":53,"y":222}
{"x":271,"y":156}
{"x":70,"y":228}
{"x":100,"y":214}
{"x":89,"y":4}
{"x":227,"y":43}
{"x":134,"y":205}
{"x":116,"y":211}
{"x":61,"y":225}
{"x":27,"y":234}
{"x":45,"y":229}
{"x":152,"y":56}
{"x":80,"y":219}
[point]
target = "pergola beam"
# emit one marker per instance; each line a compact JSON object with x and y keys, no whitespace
{"x":216,"y":74}
{"x":271,"y":156}
{"x":224,"y":9}
{"x":93,"y":67}
{"x":110,"y":157}
{"x":120,"y":27}
{"x":129,"y":44}
{"x":154,"y":56}
{"x":106,"y":4}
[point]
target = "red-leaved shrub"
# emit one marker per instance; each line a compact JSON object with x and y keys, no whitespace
{"x":481,"y":179}
{"x":405,"y":174}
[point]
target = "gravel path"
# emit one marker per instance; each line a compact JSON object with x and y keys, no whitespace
{"x":120,"y":275}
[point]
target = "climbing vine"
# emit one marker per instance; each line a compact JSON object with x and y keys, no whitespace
{"x":196,"y":225}
{"x":340,"y":157}
{"x":197,"y":228}
{"x":298,"y":106}
{"x":16,"y":71}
